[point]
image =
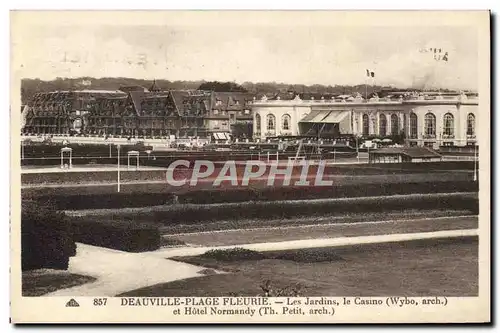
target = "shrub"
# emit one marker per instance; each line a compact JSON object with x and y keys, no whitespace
{"x":274,"y":291}
{"x":124,"y":236}
{"x":46,"y":237}
{"x":234,"y":254}
{"x":310,"y":255}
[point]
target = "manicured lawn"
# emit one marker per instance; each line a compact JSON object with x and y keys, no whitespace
{"x":337,"y":228}
{"x":40,"y":282}
{"x":447,"y":267}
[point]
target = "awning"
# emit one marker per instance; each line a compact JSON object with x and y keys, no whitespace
{"x":325,"y":117}
{"x":310,"y":116}
{"x":221,"y":136}
{"x":336,"y":117}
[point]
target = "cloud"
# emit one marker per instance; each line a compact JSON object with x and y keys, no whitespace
{"x":322,"y":55}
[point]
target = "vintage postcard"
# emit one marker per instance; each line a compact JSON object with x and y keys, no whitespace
{"x":250,"y":167}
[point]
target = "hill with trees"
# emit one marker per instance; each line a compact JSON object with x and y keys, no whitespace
{"x":31,"y":86}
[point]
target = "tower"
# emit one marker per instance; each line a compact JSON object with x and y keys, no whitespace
{"x":154,"y":87}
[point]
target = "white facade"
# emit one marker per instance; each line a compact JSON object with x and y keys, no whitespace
{"x":429,"y":122}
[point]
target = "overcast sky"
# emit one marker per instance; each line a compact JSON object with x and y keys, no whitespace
{"x":304,"y":54}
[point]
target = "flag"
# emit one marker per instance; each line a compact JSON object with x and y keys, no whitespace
{"x":368,"y":73}
{"x":445,"y":57}
{"x":372,"y":74}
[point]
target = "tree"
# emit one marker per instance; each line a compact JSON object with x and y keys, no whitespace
{"x":222,"y":86}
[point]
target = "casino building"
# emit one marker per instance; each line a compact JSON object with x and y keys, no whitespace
{"x":424,"y":119}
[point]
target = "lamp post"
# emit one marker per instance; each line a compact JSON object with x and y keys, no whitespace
{"x":118,"y":148}
{"x":357,"y":148}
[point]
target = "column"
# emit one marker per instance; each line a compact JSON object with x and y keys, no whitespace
{"x":460,"y":127}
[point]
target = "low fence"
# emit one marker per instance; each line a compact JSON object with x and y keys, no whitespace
{"x":164,"y":159}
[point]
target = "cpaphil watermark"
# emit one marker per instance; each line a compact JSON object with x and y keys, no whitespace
{"x":292,"y":173}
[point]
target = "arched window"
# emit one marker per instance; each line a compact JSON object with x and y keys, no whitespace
{"x":271,"y":122}
{"x":366,"y":125}
{"x":448,"y":125}
{"x":413,"y":126}
{"x":430,"y":125}
{"x":394,"y":124}
{"x":471,"y":124}
{"x":382,"y":125}
{"x":257,"y":122}
{"x":285,"y":122}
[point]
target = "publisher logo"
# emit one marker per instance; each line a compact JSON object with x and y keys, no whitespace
{"x":72,"y":303}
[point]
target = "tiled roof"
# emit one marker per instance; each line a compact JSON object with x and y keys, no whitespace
{"x":139,"y":97}
{"x":230,"y":100}
{"x":189,"y":102}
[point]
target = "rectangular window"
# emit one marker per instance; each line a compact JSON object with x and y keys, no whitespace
{"x":429,"y":144}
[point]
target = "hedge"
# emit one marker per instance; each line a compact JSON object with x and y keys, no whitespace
{"x":46,"y":237}
{"x":123,"y":236}
{"x":318,"y":192}
{"x":193,"y":214}
{"x":149,"y":195}
{"x":291,"y":209}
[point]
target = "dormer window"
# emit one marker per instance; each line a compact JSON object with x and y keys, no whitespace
{"x":218,"y":102}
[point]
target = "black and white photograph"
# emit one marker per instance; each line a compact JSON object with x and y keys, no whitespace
{"x":232,"y":166}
